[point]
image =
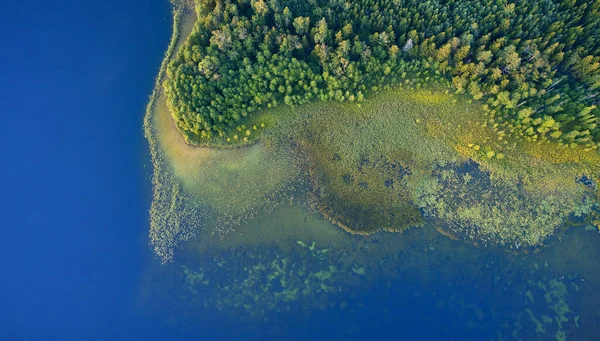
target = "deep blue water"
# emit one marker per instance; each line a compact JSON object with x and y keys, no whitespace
{"x":76,"y":76}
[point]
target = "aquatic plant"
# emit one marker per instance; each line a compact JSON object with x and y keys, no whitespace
{"x":371,"y":159}
{"x":170,"y":222}
{"x":269,"y":282}
{"x":496,"y":211}
{"x":364,"y":162}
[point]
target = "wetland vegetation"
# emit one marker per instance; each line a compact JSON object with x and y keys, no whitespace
{"x":475,"y":119}
{"x":388,"y":113}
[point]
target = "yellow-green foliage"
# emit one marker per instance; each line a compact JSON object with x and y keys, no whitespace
{"x":373,"y":164}
{"x":188,"y":182}
{"x":498,"y":211}
{"x":365,"y":161}
{"x":246,"y":56}
{"x":233,"y":183}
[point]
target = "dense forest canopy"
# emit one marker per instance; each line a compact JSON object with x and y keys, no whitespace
{"x":534,"y":65}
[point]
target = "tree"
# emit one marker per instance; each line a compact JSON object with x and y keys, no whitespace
{"x":443,"y":53}
{"x":260,"y":8}
{"x":484,"y":56}
{"x":320,"y":32}
{"x":301,"y":24}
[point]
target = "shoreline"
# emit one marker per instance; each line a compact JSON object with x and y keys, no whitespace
{"x":174,"y":158}
{"x":177,"y":38}
{"x":184,"y":19}
{"x":165,"y":194}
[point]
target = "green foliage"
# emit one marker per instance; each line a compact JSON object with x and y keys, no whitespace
{"x":364,"y":162}
{"x":246,"y":55}
{"x":380,"y":162}
{"x":472,"y":205}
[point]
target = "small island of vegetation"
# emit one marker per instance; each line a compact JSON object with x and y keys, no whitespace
{"x":478,"y":115}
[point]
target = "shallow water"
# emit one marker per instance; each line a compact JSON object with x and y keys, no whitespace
{"x":276,"y":284}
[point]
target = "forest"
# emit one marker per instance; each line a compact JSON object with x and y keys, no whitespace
{"x":533,"y":65}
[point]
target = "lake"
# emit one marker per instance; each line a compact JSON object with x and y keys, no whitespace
{"x":76,"y":179}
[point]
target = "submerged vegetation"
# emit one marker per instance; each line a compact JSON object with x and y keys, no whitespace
{"x":172,"y":219}
{"x":498,"y":212}
{"x":465,"y":118}
{"x":409,"y":152}
{"x":388,"y":113}
{"x":481,"y":291}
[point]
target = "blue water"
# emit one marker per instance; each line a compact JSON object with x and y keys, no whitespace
{"x":75,"y":195}
{"x":76,"y":76}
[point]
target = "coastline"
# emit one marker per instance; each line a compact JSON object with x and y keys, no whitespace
{"x":418,"y":248}
{"x":183,"y":22}
{"x":165,"y":195}
{"x":187,"y":176}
